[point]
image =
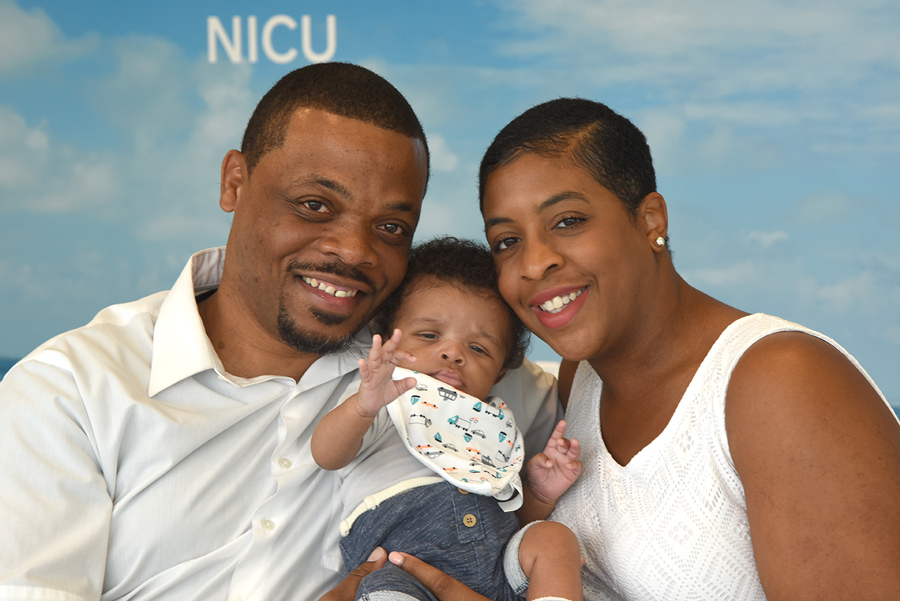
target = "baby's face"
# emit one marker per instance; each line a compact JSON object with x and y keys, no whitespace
{"x":457,"y":336}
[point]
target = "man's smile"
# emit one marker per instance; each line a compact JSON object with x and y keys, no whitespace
{"x":330,"y":289}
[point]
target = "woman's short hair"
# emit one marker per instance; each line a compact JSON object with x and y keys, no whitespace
{"x":609,"y":146}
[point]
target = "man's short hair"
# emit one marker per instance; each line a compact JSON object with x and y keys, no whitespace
{"x":593,"y":136}
{"x":466,"y":264}
{"x":341,"y":89}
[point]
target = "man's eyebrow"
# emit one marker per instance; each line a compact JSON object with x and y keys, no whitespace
{"x":340,"y":189}
{"x":323,"y":182}
{"x":556,"y":198}
{"x":403,"y":206}
{"x":334,"y":186}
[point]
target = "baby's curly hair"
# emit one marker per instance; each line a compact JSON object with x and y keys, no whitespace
{"x":466,"y":264}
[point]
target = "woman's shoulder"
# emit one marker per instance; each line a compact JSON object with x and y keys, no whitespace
{"x":817,"y":450}
{"x":793,"y":372}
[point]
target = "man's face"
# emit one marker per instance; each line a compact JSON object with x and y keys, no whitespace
{"x":322,"y":228}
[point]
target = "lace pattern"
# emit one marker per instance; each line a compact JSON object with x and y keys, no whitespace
{"x":672,"y":523}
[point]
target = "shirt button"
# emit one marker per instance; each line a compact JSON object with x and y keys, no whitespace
{"x":285,"y":462}
{"x":462,"y":491}
{"x":469,"y":520}
{"x":268,"y":525}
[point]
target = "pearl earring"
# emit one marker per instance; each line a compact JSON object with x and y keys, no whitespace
{"x":660,"y":241}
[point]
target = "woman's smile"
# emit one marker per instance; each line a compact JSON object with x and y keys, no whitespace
{"x":555,"y":309}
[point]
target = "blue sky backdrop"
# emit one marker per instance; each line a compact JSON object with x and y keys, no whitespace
{"x":775,"y":129}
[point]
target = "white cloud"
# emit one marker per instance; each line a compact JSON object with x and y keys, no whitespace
{"x":174,"y":120}
{"x":28,"y":38}
{"x":442,"y":158}
{"x":698,"y":34}
{"x":41,"y":176}
{"x":767,"y":239}
{"x":849,"y":293}
{"x":766,"y":64}
{"x":827,"y":207}
{"x":665,"y":132}
{"x":736,"y":274}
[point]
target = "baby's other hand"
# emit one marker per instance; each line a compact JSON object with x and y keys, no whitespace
{"x":552,"y":472}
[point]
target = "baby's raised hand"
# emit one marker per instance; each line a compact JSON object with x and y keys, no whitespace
{"x":552,"y":472}
{"x":376,"y":388}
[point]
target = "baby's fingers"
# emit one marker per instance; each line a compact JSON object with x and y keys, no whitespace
{"x":391,"y":343}
{"x":574,"y":449}
{"x":404,"y":385}
{"x":376,"y":351}
{"x":559,"y":431}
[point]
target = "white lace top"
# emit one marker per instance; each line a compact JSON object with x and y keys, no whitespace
{"x":672,"y":523}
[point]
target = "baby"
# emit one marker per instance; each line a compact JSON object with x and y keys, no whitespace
{"x":447,"y":321}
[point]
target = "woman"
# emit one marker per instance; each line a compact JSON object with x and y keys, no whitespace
{"x":726,"y":455}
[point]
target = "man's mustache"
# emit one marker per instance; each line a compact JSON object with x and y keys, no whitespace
{"x":335,"y":268}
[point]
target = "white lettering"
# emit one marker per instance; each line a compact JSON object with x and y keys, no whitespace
{"x":215,"y":31}
{"x":252,"y":43}
{"x":331,"y":36}
{"x":271,"y":24}
{"x":233,"y":44}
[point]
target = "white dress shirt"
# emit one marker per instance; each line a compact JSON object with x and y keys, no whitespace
{"x":134,"y":467}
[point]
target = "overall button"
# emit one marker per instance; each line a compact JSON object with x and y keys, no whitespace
{"x":469,"y":520}
{"x":462,"y":491}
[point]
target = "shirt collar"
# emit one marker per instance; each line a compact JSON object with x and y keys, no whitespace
{"x":182,"y":349}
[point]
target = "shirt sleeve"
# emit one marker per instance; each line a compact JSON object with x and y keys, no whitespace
{"x":55,"y":503}
{"x":533,"y":396}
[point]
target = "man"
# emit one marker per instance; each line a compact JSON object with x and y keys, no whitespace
{"x":162,"y":451}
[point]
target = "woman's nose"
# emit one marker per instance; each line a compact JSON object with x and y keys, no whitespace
{"x":538,"y":258}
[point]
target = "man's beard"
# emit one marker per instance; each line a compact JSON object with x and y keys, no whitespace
{"x":307,"y":342}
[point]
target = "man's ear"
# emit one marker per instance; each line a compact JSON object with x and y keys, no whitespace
{"x":653,"y":218}
{"x":234,"y":174}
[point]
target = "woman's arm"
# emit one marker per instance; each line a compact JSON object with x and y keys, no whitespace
{"x":441,"y":586}
{"x":818,"y":453}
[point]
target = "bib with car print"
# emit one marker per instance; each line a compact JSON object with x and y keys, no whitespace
{"x":471,"y":443}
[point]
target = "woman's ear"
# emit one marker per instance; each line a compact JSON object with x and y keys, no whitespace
{"x":234,"y":173}
{"x":653,"y":217}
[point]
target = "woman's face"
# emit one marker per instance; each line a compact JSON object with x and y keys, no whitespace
{"x":573,"y":263}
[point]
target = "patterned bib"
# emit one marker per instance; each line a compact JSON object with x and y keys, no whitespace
{"x":471,"y":443}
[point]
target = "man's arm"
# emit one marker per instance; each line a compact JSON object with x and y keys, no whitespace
{"x":346,"y":590}
{"x":55,"y":504}
{"x":818,"y":453}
